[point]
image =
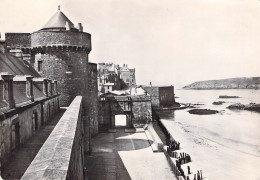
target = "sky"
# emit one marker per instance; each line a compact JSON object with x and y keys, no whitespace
{"x":168,"y":42}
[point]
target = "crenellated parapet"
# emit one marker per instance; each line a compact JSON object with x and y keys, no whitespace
{"x":60,"y":48}
{"x":67,"y":40}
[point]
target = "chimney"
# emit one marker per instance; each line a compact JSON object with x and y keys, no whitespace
{"x":45,"y":87}
{"x":55,"y":87}
{"x":8,"y":94}
{"x":49,"y":87}
{"x":80,"y":27}
{"x":3,"y":48}
{"x":29,"y":88}
{"x":67,"y":26}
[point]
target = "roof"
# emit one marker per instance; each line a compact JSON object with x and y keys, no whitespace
{"x":13,"y":65}
{"x":10,"y":64}
{"x":58,"y":20}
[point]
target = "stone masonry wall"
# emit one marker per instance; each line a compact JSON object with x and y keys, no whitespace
{"x":141,"y":111}
{"x":166,"y":96}
{"x":154,"y":93}
{"x":27,"y":124}
{"x":61,"y":156}
{"x":93,"y":98}
{"x":45,"y":38}
{"x":104,"y":116}
{"x":70,"y":71}
{"x":18,"y":39}
{"x":69,"y":68}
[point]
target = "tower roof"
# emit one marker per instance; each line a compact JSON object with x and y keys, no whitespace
{"x":57,"y":21}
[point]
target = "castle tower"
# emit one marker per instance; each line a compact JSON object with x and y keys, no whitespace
{"x":61,"y":53}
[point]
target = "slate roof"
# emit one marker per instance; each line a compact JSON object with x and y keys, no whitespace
{"x":13,"y":65}
{"x":58,"y":20}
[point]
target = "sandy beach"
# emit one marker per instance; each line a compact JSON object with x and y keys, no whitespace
{"x":225,"y":146}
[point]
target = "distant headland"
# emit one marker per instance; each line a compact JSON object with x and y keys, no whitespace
{"x":231,"y":83}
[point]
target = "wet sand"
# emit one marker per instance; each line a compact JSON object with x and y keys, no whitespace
{"x":220,"y":158}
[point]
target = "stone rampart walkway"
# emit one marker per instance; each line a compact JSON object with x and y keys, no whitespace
{"x":22,"y":158}
{"x":125,"y":156}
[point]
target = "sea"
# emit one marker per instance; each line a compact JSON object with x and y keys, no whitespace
{"x":225,"y":145}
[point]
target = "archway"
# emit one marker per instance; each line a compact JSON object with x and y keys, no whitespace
{"x":120,"y":120}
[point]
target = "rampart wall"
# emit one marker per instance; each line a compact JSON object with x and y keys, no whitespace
{"x":70,"y":69}
{"x":25,"y":117}
{"x":46,"y":38}
{"x":93,"y":98}
{"x":61,"y":156}
{"x":15,"y":40}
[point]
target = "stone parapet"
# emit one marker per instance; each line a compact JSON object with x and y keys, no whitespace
{"x":61,"y":155}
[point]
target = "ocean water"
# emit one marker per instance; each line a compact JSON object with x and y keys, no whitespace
{"x":224,"y":145}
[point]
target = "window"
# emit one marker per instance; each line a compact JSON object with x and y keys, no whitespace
{"x":39,"y":66}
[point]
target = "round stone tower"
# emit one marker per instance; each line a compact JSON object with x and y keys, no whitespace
{"x":61,"y":53}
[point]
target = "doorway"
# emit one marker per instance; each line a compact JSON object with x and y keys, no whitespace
{"x":120,"y":120}
{"x":15,"y":136}
{"x":35,"y":121}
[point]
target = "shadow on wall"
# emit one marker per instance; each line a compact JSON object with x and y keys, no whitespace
{"x":167,"y":115}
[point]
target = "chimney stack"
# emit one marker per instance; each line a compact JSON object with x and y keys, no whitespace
{"x":45,"y":87}
{"x":80,"y":27}
{"x":3,"y":48}
{"x":29,"y":88}
{"x":49,"y":87}
{"x":55,"y":85}
{"x":8,"y":94}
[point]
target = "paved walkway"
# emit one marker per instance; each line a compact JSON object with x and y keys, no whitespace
{"x":125,"y":156}
{"x":22,"y":158}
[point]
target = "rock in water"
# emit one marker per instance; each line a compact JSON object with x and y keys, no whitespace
{"x":202,"y":111}
{"x":218,"y":102}
{"x":237,"y":106}
{"x":225,"y":96}
{"x":253,"y":107}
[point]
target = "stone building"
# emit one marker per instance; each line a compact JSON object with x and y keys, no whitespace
{"x":27,"y":102}
{"x":134,"y":103}
{"x":121,"y":77}
{"x":127,"y":75}
{"x":162,"y":96}
{"x":59,"y":50}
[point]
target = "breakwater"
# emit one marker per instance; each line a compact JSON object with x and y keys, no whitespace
{"x":180,"y":161}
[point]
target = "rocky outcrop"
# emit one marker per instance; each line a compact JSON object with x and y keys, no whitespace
{"x":218,"y":102}
{"x":202,"y":111}
{"x":225,"y":96}
{"x":232,"y":83}
{"x":249,"y":107}
{"x":253,"y":107}
{"x":237,"y":106}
